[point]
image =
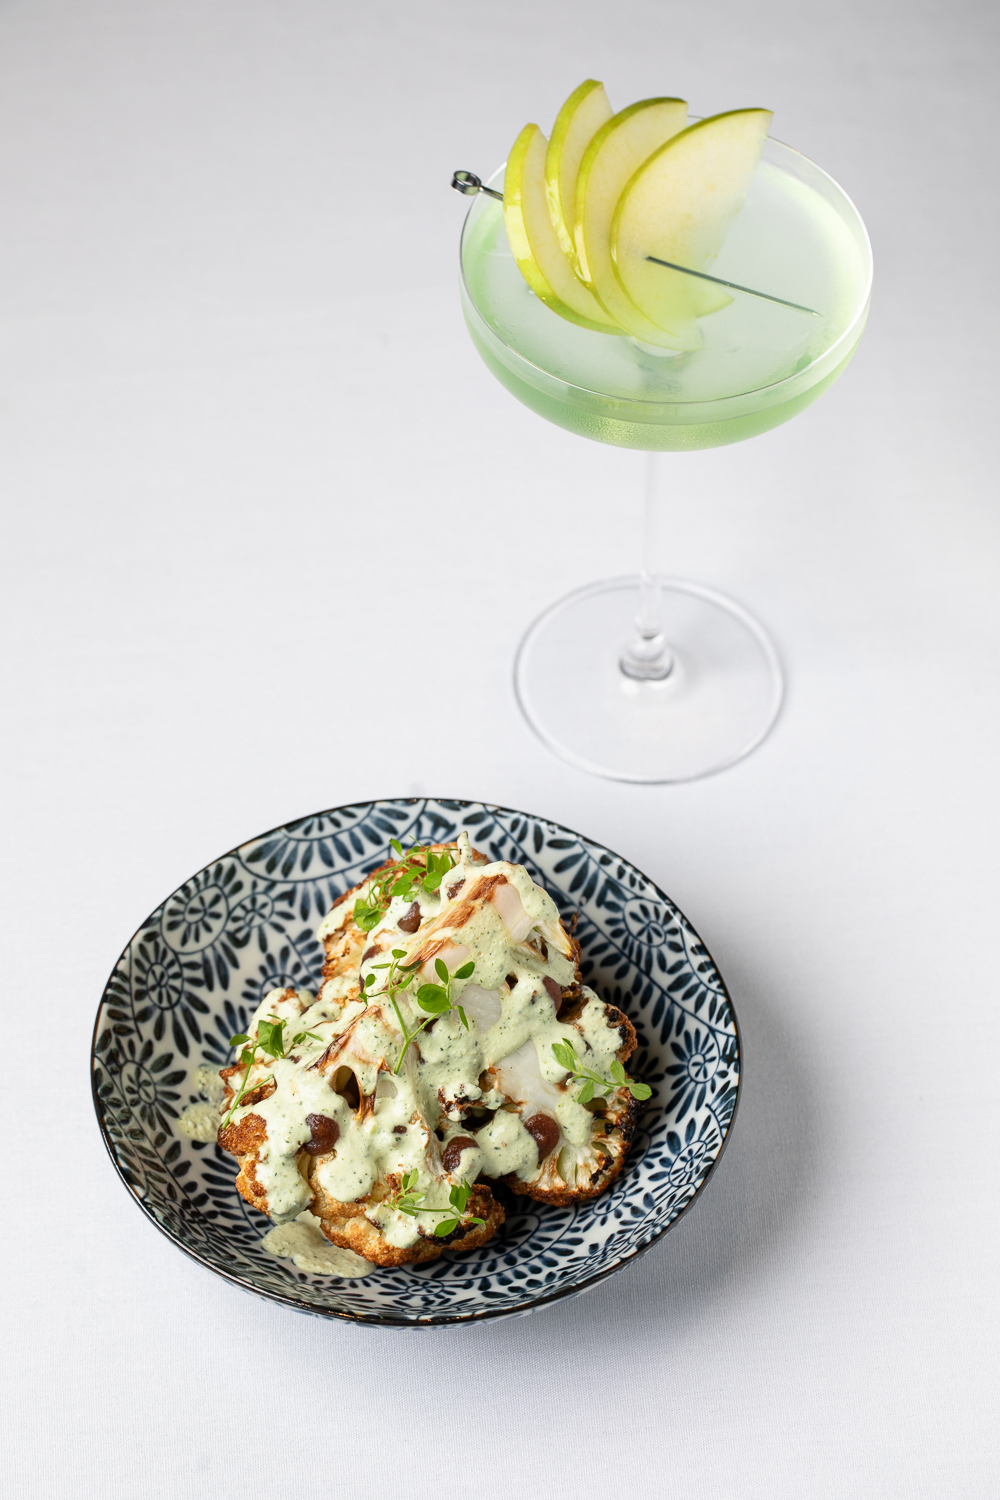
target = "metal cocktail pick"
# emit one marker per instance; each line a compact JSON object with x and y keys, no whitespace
{"x":468,"y":182}
{"x":733,"y":286}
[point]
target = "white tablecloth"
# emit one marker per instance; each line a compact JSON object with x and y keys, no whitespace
{"x":250,"y":461}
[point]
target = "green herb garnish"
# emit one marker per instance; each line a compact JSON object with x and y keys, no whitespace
{"x":406,"y":1201}
{"x":566,"y":1056}
{"x":417,"y":867}
{"x":270,"y":1040}
{"x":459,"y":1197}
{"x":435,"y":999}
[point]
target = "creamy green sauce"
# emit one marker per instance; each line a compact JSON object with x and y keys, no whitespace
{"x":304,"y":1243}
{"x":514,"y":937}
{"x":200,"y":1121}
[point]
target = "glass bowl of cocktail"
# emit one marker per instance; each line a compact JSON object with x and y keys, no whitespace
{"x":660,"y":284}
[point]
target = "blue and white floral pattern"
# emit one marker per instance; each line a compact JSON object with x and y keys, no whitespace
{"x":199,"y":966}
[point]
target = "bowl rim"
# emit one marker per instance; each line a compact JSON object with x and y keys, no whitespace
{"x":437,"y":1320}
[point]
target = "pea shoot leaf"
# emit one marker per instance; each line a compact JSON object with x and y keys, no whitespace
{"x":270,"y":1038}
{"x":590,"y":1082}
{"x":433,"y":998}
{"x":565,"y":1056}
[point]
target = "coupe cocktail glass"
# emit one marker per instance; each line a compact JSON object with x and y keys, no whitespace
{"x":648,"y":679}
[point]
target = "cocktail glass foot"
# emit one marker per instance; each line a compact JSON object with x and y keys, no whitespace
{"x":648,"y":703}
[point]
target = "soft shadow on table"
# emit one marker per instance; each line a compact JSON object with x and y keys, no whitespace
{"x":747,"y":1217}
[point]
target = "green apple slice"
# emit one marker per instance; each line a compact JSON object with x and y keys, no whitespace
{"x":679,"y":206}
{"x":579,"y":120}
{"x":614,"y":155}
{"x":534,"y":242}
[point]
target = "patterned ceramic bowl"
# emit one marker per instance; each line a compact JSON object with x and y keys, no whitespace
{"x":199,"y":966}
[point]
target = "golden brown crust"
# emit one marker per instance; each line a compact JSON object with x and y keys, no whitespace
{"x":345,"y":1224}
{"x":244,"y":1139}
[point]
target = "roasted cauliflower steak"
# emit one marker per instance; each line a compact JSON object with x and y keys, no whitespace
{"x":425,"y":1064}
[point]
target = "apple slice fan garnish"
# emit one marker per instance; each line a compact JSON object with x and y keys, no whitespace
{"x":614,"y":221}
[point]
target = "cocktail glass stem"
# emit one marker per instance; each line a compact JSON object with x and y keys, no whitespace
{"x":647,"y":656}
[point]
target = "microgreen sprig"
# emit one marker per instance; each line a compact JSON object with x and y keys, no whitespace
{"x":399,"y":977}
{"x":407,"y":1201}
{"x":459,"y":1198}
{"x":270,"y":1040}
{"x":419,"y":867}
{"x":435,"y":999}
{"x":404,"y":1199}
{"x":566,"y":1056}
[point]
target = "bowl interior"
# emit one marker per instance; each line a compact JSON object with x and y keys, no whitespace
{"x":201,"y":963}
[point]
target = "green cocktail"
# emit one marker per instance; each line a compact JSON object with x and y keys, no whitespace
{"x":662,"y":702}
{"x":798,"y":235}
